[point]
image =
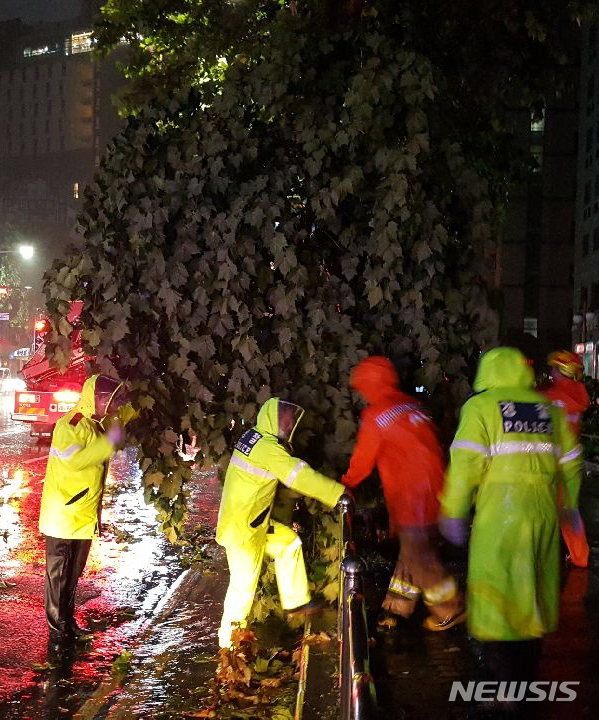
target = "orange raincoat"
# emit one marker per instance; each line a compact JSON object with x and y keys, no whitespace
{"x":573,"y":398}
{"x":398,"y":437}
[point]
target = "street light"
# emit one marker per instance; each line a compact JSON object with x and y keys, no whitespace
{"x":25,"y":251}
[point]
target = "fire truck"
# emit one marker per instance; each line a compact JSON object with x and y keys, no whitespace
{"x":50,"y":393}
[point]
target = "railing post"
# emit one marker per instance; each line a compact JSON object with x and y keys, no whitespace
{"x":358,"y":698}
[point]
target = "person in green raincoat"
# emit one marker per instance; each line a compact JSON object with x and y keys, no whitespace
{"x":260,"y":461}
{"x":72,"y":496}
{"x":511,"y":450}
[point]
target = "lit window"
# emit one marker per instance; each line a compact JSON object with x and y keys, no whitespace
{"x":81,"y":42}
{"x":530,"y":326}
{"x":537,"y":124}
{"x":76,"y":191}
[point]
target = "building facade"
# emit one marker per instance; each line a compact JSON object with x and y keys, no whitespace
{"x":585,"y":325}
{"x":56,"y":118}
{"x":537,"y":246}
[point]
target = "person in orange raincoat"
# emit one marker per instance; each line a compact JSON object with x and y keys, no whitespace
{"x":398,"y":437}
{"x":568,"y":392}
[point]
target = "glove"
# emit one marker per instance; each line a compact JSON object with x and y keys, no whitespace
{"x":116,"y":434}
{"x":572,"y":517}
{"x":455,"y":530}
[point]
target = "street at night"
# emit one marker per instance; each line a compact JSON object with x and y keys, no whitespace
{"x":299,"y":359}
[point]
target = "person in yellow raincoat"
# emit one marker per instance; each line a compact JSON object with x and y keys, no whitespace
{"x":511,"y":450}
{"x":260,"y":461}
{"x":72,"y":495}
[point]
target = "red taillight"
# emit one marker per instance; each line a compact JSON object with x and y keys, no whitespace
{"x":42,"y":326}
{"x":66,"y":396}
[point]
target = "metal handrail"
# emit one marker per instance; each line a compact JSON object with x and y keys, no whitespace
{"x":358,"y":697}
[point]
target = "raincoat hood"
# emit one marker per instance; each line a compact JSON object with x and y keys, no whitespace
{"x":375,"y":378}
{"x":96,"y":395}
{"x":503,"y":367}
{"x":268,"y":418}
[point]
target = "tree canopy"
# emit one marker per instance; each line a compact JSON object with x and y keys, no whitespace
{"x":299,"y":184}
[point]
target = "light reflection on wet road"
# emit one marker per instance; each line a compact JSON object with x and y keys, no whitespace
{"x":128,"y":572}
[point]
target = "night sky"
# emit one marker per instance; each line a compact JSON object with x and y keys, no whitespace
{"x":37,"y":10}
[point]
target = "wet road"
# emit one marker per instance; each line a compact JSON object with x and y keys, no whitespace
{"x":129,"y":572}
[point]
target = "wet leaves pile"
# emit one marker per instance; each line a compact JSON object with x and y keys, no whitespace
{"x":251,"y":683}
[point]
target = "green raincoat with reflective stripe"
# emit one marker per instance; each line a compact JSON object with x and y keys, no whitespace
{"x":74,"y":474}
{"x":259,"y":462}
{"x":511,"y":450}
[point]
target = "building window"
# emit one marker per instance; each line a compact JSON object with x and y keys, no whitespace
{"x":530,"y":326}
{"x":537,"y":154}
{"x":585,"y":244}
{"x":537,"y":124}
{"x":76,"y":191}
{"x":81,"y":42}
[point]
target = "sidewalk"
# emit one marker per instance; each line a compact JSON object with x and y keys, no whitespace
{"x":414,"y":669}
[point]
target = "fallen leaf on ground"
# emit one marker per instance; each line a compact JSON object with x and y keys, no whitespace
{"x":273,"y":682}
{"x":317,"y":638}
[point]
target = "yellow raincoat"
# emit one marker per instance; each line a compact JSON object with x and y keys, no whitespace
{"x":511,"y":450}
{"x":75,"y":471}
{"x":259,"y":462}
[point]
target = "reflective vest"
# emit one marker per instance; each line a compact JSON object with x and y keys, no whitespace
{"x":74,"y":475}
{"x":258,"y":463}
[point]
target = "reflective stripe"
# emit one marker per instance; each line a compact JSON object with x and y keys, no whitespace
{"x":397,"y":411}
{"x":514,"y":447}
{"x":468,"y":445}
{"x":251,"y":469}
{"x":294,"y":473}
{"x":400,"y":587}
{"x":441,"y":592}
{"x":572,"y":455}
{"x":509,"y":448}
{"x":71,"y":450}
